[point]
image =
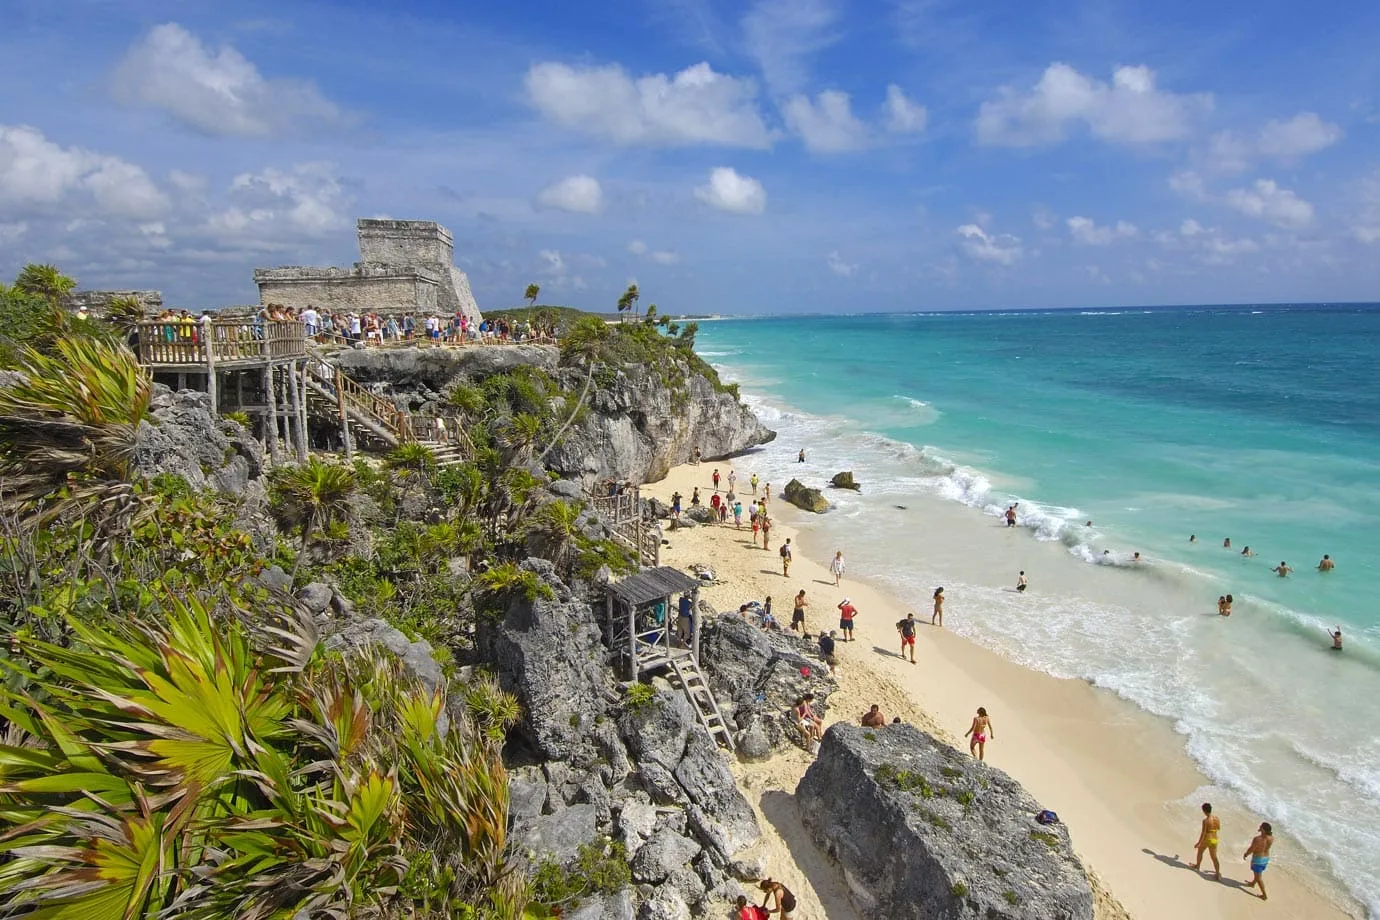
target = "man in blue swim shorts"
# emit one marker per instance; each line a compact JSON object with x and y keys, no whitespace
{"x":1259,"y":855}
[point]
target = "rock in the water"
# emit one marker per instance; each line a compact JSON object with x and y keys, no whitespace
{"x":923,"y":831}
{"x":845,"y":480}
{"x":663,"y":853}
{"x":798,"y":494}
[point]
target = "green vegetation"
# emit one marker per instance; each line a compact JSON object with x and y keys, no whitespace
{"x":531,"y":294}
{"x":600,"y":868}
{"x":904,"y":780}
{"x":639,"y":697}
{"x":958,"y":890}
{"x":951,"y":772}
{"x":935,"y":820}
{"x":1011,"y":897}
{"x":1050,"y":840}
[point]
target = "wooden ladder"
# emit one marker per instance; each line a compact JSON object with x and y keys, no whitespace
{"x":696,"y":690}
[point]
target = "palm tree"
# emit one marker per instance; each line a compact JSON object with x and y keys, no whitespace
{"x":45,"y":281}
{"x":69,"y":427}
{"x":650,"y":317}
{"x":533,"y":290}
{"x":583,"y":344}
{"x":520,"y":433}
{"x":556,"y":526}
{"x":312,"y":495}
{"x":628,"y":301}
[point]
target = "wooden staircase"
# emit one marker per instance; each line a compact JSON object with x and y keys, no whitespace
{"x":696,"y":689}
{"x":371,"y":418}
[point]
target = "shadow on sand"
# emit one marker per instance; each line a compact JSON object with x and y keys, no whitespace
{"x":1175,"y":862}
{"x":782,"y":812}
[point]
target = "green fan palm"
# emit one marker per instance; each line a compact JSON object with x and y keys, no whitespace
{"x":312,"y":496}
{"x":45,"y":281}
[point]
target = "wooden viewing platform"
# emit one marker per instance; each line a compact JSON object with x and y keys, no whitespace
{"x":226,"y":344}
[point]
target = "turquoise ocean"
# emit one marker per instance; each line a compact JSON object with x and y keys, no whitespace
{"x":1258,"y":424}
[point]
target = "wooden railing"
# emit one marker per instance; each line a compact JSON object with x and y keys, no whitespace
{"x":622,"y":511}
{"x":351,"y":395}
{"x":184,"y":342}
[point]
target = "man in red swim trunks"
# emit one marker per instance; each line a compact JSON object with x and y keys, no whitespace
{"x":906,"y":628}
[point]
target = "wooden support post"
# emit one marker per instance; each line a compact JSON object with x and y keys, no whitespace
{"x":212,"y":387}
{"x":301,"y":371}
{"x":344,"y":418}
{"x":695,"y":624}
{"x":271,"y":422}
{"x":298,"y":416}
{"x":632,"y":641}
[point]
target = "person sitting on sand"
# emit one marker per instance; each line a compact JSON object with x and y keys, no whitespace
{"x":808,"y":721}
{"x":906,"y":628}
{"x":1022,"y":582}
{"x":836,"y":567}
{"x":798,"y":614}
{"x":1326,"y":565}
{"x":826,"y":650}
{"x":937,"y":618}
{"x":873,"y":718}
{"x":979,"y":733}
{"x":1282,"y":570}
{"x":785,"y":901}
{"x":846,"y":614}
{"x":1207,"y":840}
{"x":748,"y":911}
{"x":1259,"y":855}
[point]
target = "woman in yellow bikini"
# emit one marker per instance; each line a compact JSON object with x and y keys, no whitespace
{"x":1207,"y":840}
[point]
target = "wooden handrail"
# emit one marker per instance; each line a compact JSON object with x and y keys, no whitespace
{"x":183,"y":341}
{"x":349,"y":391}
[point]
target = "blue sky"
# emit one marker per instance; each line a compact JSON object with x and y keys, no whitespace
{"x":766,"y":156}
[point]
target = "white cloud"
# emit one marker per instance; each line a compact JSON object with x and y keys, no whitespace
{"x":783,"y":34}
{"x":306,"y":201}
{"x":827,"y":124}
{"x":1189,"y":184}
{"x":11,"y":232}
{"x":1206,"y":245}
{"x":903,"y":116}
{"x":1131,"y":110}
{"x":1301,"y":135}
{"x":554,"y":263}
{"x":1085,"y":230}
{"x":839,"y":267}
{"x":217,"y":92}
{"x":1266,"y":201}
{"x":696,"y":106}
{"x":577,"y":194}
{"x":997,"y":248}
{"x":637,"y":247}
{"x":37,"y":173}
{"x":729,"y":191}
{"x":1231,"y":152}
{"x":1191,"y":227}
{"x":664,"y":257}
{"x":1366,"y":228}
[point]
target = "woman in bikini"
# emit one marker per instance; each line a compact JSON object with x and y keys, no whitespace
{"x":978,"y":733}
{"x":784,"y":905}
{"x":1207,"y":840}
{"x":937,"y":618}
{"x":809,"y":722}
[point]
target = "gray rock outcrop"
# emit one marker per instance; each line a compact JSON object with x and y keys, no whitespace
{"x":757,"y":675}
{"x":922,"y":831}
{"x":406,"y":370}
{"x":184,"y":438}
{"x":805,"y":498}
{"x":417,"y":658}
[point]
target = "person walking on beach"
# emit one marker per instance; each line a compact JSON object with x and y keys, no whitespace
{"x":766,"y":529}
{"x":675,"y":505}
{"x":753,"y":483}
{"x":937,"y":618}
{"x":1282,"y":570}
{"x":737,"y":515}
{"x":979,"y":733}
{"x":846,"y":614}
{"x":798,"y":614}
{"x":906,"y":628}
{"x":732,"y":479}
{"x":715,"y":477}
{"x":786,"y":558}
{"x":785,"y":901}
{"x":801,"y":458}
{"x":1326,"y":565}
{"x":1207,"y":840}
{"x":695,"y":497}
{"x":836,"y":567}
{"x":1259,"y":855}
{"x":826,"y":650}
{"x":1010,"y":515}
{"x":1022,"y":583}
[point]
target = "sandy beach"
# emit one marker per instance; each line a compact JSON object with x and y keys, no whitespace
{"x":1117,"y":776}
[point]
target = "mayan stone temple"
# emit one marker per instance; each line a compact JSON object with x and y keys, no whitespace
{"x":404,"y":266}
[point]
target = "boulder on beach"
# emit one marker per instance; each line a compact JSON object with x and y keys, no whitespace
{"x":800,"y":495}
{"x":924,"y":831}
{"x":845,"y":480}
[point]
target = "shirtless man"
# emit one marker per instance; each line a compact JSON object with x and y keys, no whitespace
{"x":979,"y":733}
{"x":906,"y":628}
{"x":1336,"y":640}
{"x":798,"y":614}
{"x":1022,"y":583}
{"x":1259,"y":855}
{"x":786,"y":558}
{"x":1010,"y":515}
{"x":1207,"y":840}
{"x":1282,"y":570}
{"x":873,"y":718}
{"x":1326,"y":565}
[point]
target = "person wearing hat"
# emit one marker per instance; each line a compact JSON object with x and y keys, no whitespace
{"x":846,"y":613}
{"x":826,"y":650}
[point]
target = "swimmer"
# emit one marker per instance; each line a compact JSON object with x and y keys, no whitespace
{"x":1193,"y":538}
{"x":1089,"y":524}
{"x":1326,"y":565}
{"x":1226,"y":544}
{"x":1230,"y":601}
{"x":1247,"y":552}
{"x":1222,"y":605}
{"x":979,"y":733}
{"x":1282,"y":570}
{"x":1336,"y":639}
{"x":1136,"y":558}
